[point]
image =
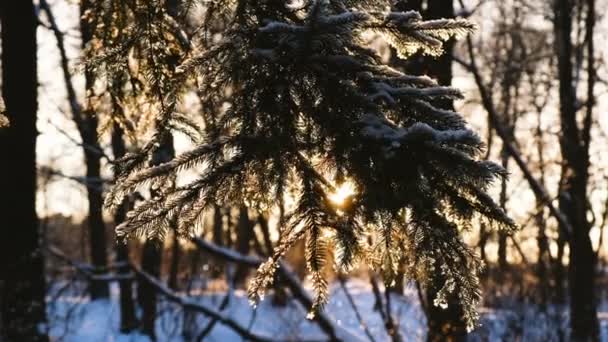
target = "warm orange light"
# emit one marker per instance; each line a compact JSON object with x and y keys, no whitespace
{"x":342,"y":195}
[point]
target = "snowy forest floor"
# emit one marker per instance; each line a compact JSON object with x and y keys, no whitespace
{"x":73,"y":318}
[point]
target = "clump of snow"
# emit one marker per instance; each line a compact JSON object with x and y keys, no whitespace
{"x":378,"y":128}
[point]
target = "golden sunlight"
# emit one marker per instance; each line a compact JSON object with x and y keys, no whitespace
{"x":342,"y":195}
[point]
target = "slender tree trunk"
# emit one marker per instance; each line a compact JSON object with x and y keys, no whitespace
{"x":173,"y":10}
{"x":559,"y":267}
{"x":189,"y":325}
{"x":483,"y":240}
{"x":502,"y":236}
{"x":152,"y":252}
{"x":544,"y":256}
{"x":175,"y":258}
{"x":279,"y":297}
{"x":128,"y":319}
{"x":22,"y":284}
{"x":146,"y":294}
{"x":243,"y":242}
{"x":218,"y":239}
{"x":92,"y":157}
{"x":97,"y":229}
{"x":559,"y":270}
{"x":218,"y":231}
{"x":442,"y":324}
{"x":263,"y":222}
{"x":573,"y":200}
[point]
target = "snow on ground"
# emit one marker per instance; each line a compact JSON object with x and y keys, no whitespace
{"x":74,"y":319}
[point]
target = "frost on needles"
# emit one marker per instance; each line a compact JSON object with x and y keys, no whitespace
{"x":295,"y":102}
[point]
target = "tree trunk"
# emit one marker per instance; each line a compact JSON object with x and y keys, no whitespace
{"x":175,"y":257}
{"x":573,"y":195}
{"x":243,"y":242}
{"x":502,"y":236}
{"x":442,"y":324}
{"x":173,"y":10}
{"x":88,"y":132}
{"x":483,"y":240}
{"x":22,"y":283}
{"x":152,"y":251}
{"x":146,"y":294}
{"x":279,"y":297}
{"x":544,"y":255}
{"x":189,"y":324}
{"x":97,"y":229}
{"x":218,"y":239}
{"x":128,"y":320}
{"x":559,"y":270}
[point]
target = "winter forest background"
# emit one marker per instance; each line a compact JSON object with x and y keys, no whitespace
{"x":306,"y":170}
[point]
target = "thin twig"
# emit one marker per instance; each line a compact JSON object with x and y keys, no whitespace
{"x":539,"y":190}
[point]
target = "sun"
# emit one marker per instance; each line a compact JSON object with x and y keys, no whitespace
{"x":342,"y":194}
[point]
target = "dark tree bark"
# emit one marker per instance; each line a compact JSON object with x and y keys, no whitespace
{"x":280,"y":296}
{"x":544,"y":260}
{"x":128,"y":319}
{"x":559,"y":270}
{"x":263,"y":222}
{"x":511,"y":72}
{"x":483,"y":240}
{"x":22,"y":284}
{"x":173,"y":10}
{"x":146,"y":294}
{"x":87,"y":127}
{"x":442,"y":324}
{"x":502,"y":236}
{"x":573,"y":193}
{"x":175,"y":258}
{"x":244,"y":231}
{"x":152,"y":251}
{"x":153,"y":248}
{"x":218,"y":231}
{"x":218,"y":239}
{"x":544,"y":256}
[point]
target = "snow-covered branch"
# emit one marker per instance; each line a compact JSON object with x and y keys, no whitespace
{"x":87,"y":270}
{"x":189,"y":303}
{"x":377,"y":128}
{"x":284,"y":273}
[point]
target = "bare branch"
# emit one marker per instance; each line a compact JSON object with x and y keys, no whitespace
{"x":535,"y":185}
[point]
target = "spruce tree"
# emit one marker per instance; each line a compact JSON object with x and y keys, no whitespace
{"x":305,"y":106}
